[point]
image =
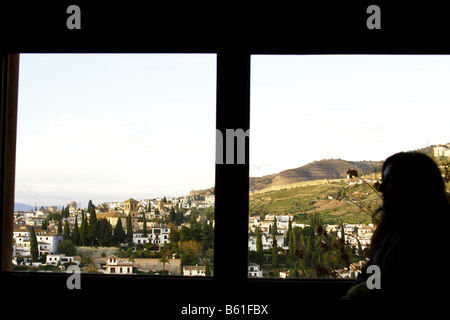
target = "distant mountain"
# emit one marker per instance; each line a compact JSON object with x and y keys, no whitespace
{"x":22,"y":207}
{"x":323,"y":169}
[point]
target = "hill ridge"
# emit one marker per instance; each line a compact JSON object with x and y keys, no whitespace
{"x":316,"y":170}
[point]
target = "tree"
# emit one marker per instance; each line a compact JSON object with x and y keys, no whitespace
{"x":274,"y":228}
{"x":274,"y":252}
{"x":92,"y":232}
{"x":90,"y":205}
{"x":104,"y":233}
{"x":179,"y":216}
{"x":34,"y":251}
{"x":207,"y":271}
{"x":66,"y":232}
{"x":342,"y":232}
{"x":119,"y":234}
{"x":174,"y":235}
{"x":144,"y":226}
{"x":172,"y":216}
{"x":76,"y":233}
{"x":259,"y":247}
{"x":44,"y":225}
{"x":164,"y":259}
{"x":83,"y":230}
{"x":67,"y":247}
{"x":103,"y":207}
{"x":60,"y":227}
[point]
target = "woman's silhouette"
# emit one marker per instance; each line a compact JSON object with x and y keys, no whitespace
{"x":410,"y":243}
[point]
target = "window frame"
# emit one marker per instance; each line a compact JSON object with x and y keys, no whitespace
{"x":340,"y":29}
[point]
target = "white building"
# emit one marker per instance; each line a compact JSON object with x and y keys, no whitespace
{"x":48,"y":242}
{"x":254,"y":270}
{"x":158,"y":234}
{"x":442,"y":151}
{"x":194,"y":271}
{"x":267,"y":242}
{"x":53,"y":259}
{"x":115,"y":265}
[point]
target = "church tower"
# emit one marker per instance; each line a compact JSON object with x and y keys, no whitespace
{"x":130,"y":206}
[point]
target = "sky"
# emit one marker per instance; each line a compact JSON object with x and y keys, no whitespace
{"x":107,"y":127}
{"x":354,"y":107}
{"x":111,"y":127}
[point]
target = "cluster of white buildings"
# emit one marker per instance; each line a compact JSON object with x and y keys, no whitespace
{"x":47,"y":244}
{"x":442,"y":151}
{"x":47,"y":241}
{"x":353,"y":232}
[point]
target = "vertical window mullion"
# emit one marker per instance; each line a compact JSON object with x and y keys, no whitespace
{"x":232,"y":180}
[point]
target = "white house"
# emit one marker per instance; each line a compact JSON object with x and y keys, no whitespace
{"x":53,"y":259}
{"x":115,"y":265}
{"x":158,"y":234}
{"x":48,"y":242}
{"x":194,"y":271}
{"x":254,"y":270}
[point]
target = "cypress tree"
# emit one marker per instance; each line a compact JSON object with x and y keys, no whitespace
{"x":66,"y":232}
{"x":92,"y":232}
{"x":342,"y":232}
{"x":108,"y":237}
{"x":291,"y":243}
{"x":60,"y":227}
{"x":83,"y":230}
{"x":34,"y":251}
{"x":76,"y":233}
{"x":119,"y":234}
{"x":144,"y":226}
{"x":259,"y":247}
{"x":274,"y":228}
{"x":274,"y":252}
{"x":104,"y":233}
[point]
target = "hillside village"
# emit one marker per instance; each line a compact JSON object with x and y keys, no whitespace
{"x":146,"y":251}
{"x":175,"y":235}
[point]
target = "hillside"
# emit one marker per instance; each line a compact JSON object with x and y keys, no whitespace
{"x":334,"y":201}
{"x":317,"y":170}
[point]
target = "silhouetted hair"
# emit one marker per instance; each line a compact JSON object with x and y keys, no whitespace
{"x":422,"y":190}
{"x":411,"y":236}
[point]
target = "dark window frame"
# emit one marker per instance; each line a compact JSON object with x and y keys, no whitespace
{"x":234,"y":33}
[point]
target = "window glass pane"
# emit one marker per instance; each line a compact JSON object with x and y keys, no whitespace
{"x":128,"y":137}
{"x":321,"y":126}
